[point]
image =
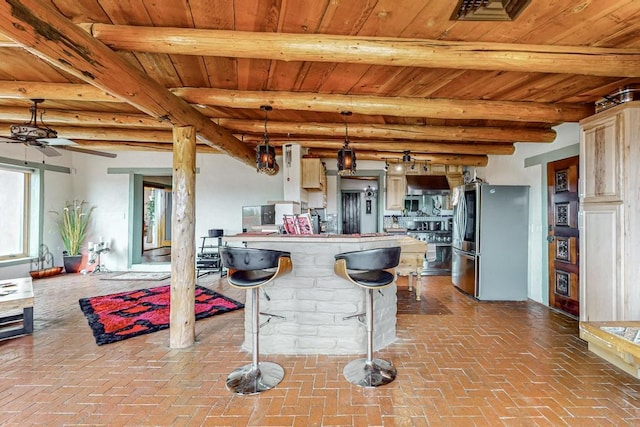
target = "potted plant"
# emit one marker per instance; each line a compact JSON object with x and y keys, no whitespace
{"x":72,"y":226}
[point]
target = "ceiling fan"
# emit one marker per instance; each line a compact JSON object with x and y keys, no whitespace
{"x":43,"y":138}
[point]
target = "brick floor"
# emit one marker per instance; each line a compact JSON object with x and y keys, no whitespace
{"x":460,"y":363}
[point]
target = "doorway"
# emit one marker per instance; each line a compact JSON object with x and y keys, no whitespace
{"x":350,"y":212}
{"x":156,"y":219}
{"x":563,"y":235}
{"x":359,"y":204}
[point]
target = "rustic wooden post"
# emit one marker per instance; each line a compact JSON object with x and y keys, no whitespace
{"x":183,"y":265}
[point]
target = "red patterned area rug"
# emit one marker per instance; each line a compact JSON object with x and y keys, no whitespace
{"x":124,"y":315}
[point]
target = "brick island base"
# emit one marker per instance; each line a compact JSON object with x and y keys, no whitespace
{"x":317,"y":305}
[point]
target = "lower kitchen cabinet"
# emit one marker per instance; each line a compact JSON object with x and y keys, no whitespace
{"x":601,"y":284}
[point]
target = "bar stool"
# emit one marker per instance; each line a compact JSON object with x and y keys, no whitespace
{"x":250,"y":268}
{"x":370,"y":274}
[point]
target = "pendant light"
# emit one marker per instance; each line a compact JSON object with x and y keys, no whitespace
{"x":266,"y":154}
{"x":406,"y":157}
{"x":346,"y":156}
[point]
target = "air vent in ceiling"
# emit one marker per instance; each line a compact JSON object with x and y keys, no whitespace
{"x":488,"y":10}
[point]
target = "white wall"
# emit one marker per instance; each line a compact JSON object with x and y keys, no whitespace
{"x":223,"y":186}
{"x":503,"y":170}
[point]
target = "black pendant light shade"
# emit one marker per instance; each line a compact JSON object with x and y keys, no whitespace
{"x":346,"y":156}
{"x":266,"y":154}
{"x":265,"y":159}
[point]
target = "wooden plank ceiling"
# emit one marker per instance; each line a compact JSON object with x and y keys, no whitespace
{"x":118,"y":74}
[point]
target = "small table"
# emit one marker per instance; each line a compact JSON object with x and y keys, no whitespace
{"x":16,"y":294}
{"x":412,"y":262}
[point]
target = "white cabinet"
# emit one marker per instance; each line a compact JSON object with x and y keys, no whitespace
{"x":601,"y":155}
{"x":610,"y":215}
{"x":601,"y":293}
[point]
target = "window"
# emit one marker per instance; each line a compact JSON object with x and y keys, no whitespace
{"x":14,"y":200}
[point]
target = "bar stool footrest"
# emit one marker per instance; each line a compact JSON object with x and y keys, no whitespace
{"x":375,"y":373}
{"x":251,"y":380}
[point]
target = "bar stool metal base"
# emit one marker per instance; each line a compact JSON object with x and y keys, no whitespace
{"x":251,"y":380}
{"x":375,"y":373}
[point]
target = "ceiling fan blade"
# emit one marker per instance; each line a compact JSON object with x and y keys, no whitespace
{"x":87,"y":151}
{"x":57,"y":141}
{"x":46,"y":150}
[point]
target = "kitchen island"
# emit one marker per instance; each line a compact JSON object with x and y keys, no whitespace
{"x":319,"y":308}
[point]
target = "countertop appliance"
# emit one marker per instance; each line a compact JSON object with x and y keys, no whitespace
{"x":490,"y":241}
{"x":255,"y":216}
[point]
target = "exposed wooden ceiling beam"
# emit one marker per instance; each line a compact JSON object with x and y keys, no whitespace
{"x":373,"y":50}
{"x":119,"y":138}
{"x":58,"y":91}
{"x":449,"y":159}
{"x":78,"y":124}
{"x":406,"y":132}
{"x":140,"y":146}
{"x":332,"y":103}
{"x":45,"y":33}
{"x":83,"y":118}
{"x":400,"y":106}
{"x":446,"y":159}
{"x":160,"y":142}
{"x":414,"y":147}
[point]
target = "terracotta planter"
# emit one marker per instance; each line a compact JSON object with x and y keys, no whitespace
{"x":72,"y":263}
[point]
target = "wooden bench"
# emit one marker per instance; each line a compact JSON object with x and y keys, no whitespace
{"x":611,"y":346}
{"x":15,"y":295}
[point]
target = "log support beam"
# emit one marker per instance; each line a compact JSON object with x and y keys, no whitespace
{"x":388,"y":51}
{"x":445,"y":159}
{"x":183,"y":258}
{"x":401,"y":106}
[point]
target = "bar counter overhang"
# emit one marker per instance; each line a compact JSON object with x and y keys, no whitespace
{"x":316,"y":303}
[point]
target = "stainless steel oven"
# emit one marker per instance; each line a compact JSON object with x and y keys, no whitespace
{"x":438,"y":263}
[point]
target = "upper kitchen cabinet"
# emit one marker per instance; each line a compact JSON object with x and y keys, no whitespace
{"x":313,"y":174}
{"x":396,"y":190}
{"x":601,"y":153}
{"x":610,"y":215}
{"x":314,"y":180}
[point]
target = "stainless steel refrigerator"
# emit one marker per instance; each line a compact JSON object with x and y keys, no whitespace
{"x":490,"y":241}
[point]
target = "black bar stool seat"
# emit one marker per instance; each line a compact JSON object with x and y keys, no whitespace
{"x":250,"y":268}
{"x":367,"y":269}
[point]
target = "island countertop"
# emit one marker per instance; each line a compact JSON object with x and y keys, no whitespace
{"x":310,"y":238}
{"x":320,"y":309}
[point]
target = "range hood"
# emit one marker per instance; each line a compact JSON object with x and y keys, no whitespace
{"x":426,"y":184}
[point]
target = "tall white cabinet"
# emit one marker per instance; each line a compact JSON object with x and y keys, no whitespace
{"x":610,"y":215}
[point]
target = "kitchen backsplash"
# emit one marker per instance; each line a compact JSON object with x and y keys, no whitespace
{"x":407,"y":221}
